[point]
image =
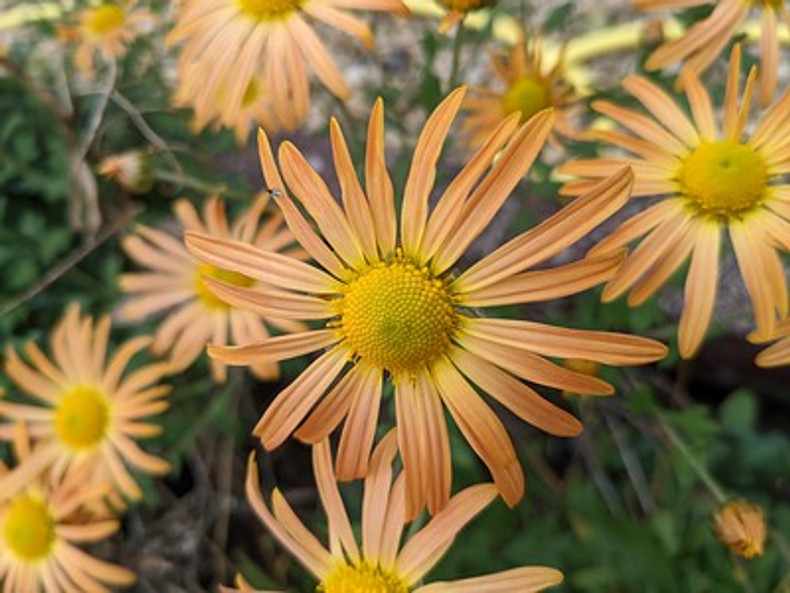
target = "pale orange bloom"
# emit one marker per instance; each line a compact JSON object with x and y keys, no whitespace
{"x":231,"y":43}
{"x":740,"y":525}
{"x":43,"y":525}
{"x":393,"y":309}
{"x":711,"y":180}
{"x":380,"y":563}
{"x":88,"y":413}
{"x":699,"y":47}
{"x":528,"y":85}
{"x":778,"y":354}
{"x":174,"y":282}
{"x":106,"y":31}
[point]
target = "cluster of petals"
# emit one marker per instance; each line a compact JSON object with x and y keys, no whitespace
{"x":88,"y":411}
{"x":229,"y":45}
{"x":492,"y":354}
{"x":173,"y":284}
{"x":44,"y":525}
{"x":677,"y":227}
{"x":699,"y":47}
{"x":383,"y":521}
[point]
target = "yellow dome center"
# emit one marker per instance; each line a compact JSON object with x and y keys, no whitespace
{"x":397,"y":317}
{"x":361,"y":578}
{"x":528,"y":96}
{"x":226,"y":276}
{"x":28,"y":528}
{"x":104,"y":19}
{"x":723,"y":179}
{"x":269,"y":10}
{"x":768,"y":3}
{"x":81,"y":417}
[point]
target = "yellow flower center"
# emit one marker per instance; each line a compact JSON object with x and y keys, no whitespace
{"x":81,"y":417}
{"x":104,"y":19}
{"x":527,"y":95}
{"x":361,"y":578}
{"x":768,"y":3}
{"x":28,"y":529}
{"x":397,"y":316}
{"x":723,"y":179}
{"x":226,"y":276}
{"x":269,"y":10}
{"x":466,"y":5}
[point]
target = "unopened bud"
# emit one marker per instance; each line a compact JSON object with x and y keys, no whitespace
{"x":740,"y":525}
{"x":131,"y":170}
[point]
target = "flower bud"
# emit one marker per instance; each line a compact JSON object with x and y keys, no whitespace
{"x":740,"y":525}
{"x":131,"y":170}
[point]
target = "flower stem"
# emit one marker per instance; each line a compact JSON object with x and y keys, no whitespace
{"x":692,"y":460}
{"x":458,"y":42}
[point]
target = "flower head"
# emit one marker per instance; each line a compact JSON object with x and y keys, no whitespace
{"x":175,"y":281}
{"x":89,"y":414}
{"x":393,"y":309}
{"x":530,"y":85}
{"x":106,"y":30}
{"x":740,"y":525}
{"x":710,"y":180}
{"x":233,"y":46}
{"x":42,"y":526}
{"x":378,"y":564}
{"x":702,"y":43}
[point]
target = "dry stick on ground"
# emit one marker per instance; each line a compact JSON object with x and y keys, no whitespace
{"x":68,"y":262}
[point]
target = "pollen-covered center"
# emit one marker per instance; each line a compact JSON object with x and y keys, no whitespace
{"x":396,"y":316}
{"x":206,"y":296}
{"x":527,"y":96}
{"x":104,"y":19}
{"x":361,"y":578}
{"x":28,"y":528}
{"x":723,"y":178}
{"x":81,"y":417}
{"x":269,"y":10}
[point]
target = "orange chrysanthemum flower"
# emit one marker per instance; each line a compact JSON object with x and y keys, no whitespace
{"x":378,"y":564}
{"x":175,"y":281}
{"x":529,"y":87}
{"x":393,"y":309}
{"x":106,"y":30}
{"x":42,"y":526}
{"x":91,"y":414}
{"x":702,"y":43}
{"x":231,"y":43}
{"x":710,"y":181}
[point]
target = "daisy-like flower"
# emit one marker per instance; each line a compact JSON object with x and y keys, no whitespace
{"x":89,"y":413}
{"x":395,"y":311}
{"x":255,"y":107}
{"x":230,"y":43}
{"x":530,"y":85}
{"x":42,"y":527}
{"x":778,"y":354}
{"x":175,"y":281}
{"x":699,"y":47}
{"x":106,"y":30}
{"x":710,"y":180}
{"x":378,"y":564}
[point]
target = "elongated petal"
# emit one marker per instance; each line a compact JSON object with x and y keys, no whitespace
{"x":274,"y":349}
{"x":526,"y":579}
{"x":700,"y":292}
{"x":428,"y":545}
{"x":606,"y":347}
